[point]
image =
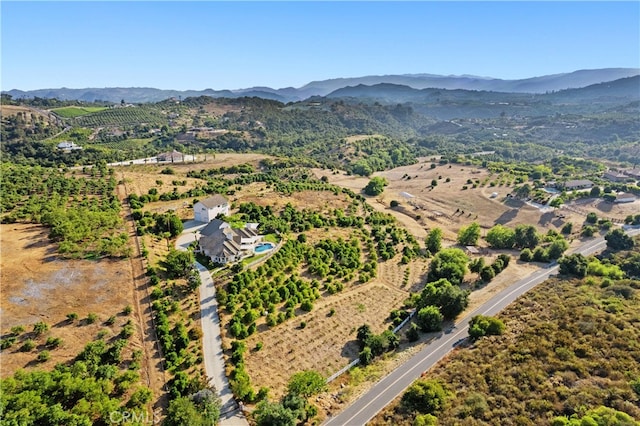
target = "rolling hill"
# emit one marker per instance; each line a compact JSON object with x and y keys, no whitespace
{"x":542,"y":84}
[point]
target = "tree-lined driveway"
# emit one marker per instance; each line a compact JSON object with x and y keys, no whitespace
{"x":211,"y":339}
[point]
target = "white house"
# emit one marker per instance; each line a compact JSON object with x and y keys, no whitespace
{"x":68,"y":146}
{"x":223,"y":244}
{"x":207,"y":209}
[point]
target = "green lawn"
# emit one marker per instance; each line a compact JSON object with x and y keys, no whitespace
{"x":74,"y":111}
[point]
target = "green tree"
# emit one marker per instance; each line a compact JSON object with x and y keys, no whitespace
{"x":592,"y":217}
{"x":618,"y":240}
{"x":434,"y":240}
{"x":425,"y":396}
{"x":365,"y":356}
{"x":469,"y":235}
{"x":574,"y":264}
{"x":567,"y":228}
{"x":556,"y":248}
{"x":526,"y":236}
{"x":178,"y":263}
{"x":429,"y":318}
{"x":481,"y":325}
{"x":169,"y":222}
{"x":306,"y":383}
{"x":273,"y":414}
{"x":500,"y":237}
{"x":450,"y":263}
{"x":375,"y":186}
{"x":364,"y":333}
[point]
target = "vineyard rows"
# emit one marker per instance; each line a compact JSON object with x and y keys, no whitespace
{"x":122,"y":117}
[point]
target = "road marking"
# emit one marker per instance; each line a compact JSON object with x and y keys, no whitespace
{"x":591,"y":247}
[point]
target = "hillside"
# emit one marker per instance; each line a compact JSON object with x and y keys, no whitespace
{"x":540,"y":84}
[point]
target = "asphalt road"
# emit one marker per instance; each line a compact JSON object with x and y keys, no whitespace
{"x":386,"y":390}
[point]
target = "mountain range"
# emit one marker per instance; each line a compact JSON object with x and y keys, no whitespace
{"x":408,"y":83}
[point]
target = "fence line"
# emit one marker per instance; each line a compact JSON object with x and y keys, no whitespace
{"x":357,"y":360}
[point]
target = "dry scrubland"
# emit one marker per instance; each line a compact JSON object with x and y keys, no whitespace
{"x":569,"y":346}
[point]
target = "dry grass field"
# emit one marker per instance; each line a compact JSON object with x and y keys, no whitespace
{"x":449,"y":207}
{"x":37,"y":285}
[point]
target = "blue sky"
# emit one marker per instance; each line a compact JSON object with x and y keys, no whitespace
{"x":232,"y":45}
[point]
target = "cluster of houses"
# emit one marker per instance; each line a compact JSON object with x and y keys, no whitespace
{"x":218,"y":240}
{"x":610,"y":175}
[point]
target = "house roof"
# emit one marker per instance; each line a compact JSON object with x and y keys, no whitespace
{"x":214,"y":201}
{"x":172,"y":154}
{"x":245,"y":232}
{"x":218,"y":245}
{"x":580,"y":182}
{"x":614,"y":174}
{"x":213,"y":227}
{"x":625,"y":195}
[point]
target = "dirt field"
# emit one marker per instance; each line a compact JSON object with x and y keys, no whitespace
{"x":327,"y":343}
{"x":140,"y":178}
{"x":447,"y":205}
{"x":37,"y":285}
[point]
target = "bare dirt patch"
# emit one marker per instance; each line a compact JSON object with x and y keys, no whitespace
{"x":37,"y":285}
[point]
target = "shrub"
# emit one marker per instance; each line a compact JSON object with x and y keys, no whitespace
{"x":487,"y":273}
{"x":44,"y":356}
{"x":425,"y":396}
{"x":91,"y":318}
{"x":481,"y":325}
{"x":17,"y":330}
{"x":412,"y":333}
{"x":365,"y":356}
{"x":40,"y":327}
{"x":429,"y":318}
{"x":526,"y":255}
{"x":53,"y":342}
{"x":27,"y":346}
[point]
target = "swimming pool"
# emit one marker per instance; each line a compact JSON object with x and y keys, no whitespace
{"x":264,"y":247}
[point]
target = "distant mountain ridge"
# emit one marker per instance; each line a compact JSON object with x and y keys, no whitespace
{"x":534,"y":85}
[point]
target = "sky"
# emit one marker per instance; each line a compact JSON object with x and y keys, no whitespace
{"x":234,"y":45}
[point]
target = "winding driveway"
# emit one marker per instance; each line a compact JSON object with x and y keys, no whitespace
{"x":211,"y":339}
{"x":386,"y":390}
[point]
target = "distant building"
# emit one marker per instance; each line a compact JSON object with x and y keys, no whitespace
{"x":173,"y":157}
{"x":68,"y":146}
{"x":615,"y":176}
{"x":223,"y":244}
{"x":577,"y":184}
{"x":625,"y":197}
{"x":634,"y":173}
{"x":209,"y":208}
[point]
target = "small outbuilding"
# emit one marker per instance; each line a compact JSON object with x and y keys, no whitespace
{"x":625,"y":197}
{"x":171,"y":157}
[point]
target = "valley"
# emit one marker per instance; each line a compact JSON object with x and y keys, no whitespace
{"x":379,"y":208}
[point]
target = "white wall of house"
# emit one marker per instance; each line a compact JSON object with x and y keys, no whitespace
{"x":203,"y":214}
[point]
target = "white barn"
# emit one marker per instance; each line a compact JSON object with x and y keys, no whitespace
{"x":207,"y":210}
